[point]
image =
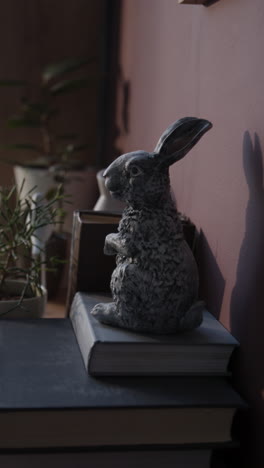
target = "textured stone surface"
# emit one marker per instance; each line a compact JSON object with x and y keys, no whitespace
{"x":155,"y":283}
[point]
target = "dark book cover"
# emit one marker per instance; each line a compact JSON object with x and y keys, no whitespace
{"x":136,"y":458}
{"x":48,"y":399}
{"x":107,"y":350}
{"x":90,"y":269}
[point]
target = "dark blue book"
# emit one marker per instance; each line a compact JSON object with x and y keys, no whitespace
{"x":154,"y":458}
{"x":114,"y":351}
{"x":47,"y":398}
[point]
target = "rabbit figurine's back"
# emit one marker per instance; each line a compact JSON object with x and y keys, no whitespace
{"x":155,"y":283}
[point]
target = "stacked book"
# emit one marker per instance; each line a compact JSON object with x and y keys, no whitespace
{"x":169,"y":393}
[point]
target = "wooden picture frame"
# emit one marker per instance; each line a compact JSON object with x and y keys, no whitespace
{"x":192,"y":2}
{"x":90,"y":269}
{"x":197,"y":2}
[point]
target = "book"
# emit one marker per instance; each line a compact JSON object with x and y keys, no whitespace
{"x":195,"y":458}
{"x":114,"y":351}
{"x":90,"y":269}
{"x":47,"y":399}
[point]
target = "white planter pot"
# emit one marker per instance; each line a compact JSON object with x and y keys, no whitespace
{"x":31,"y":308}
{"x":106,"y":202}
{"x":81,"y":188}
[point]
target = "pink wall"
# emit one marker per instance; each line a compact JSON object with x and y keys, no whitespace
{"x":184,"y":60}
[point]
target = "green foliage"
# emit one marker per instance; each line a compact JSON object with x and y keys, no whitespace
{"x":13,"y":83}
{"x":67,"y":86}
{"x":39,"y":107}
{"x":65,"y":66}
{"x":21,"y":218}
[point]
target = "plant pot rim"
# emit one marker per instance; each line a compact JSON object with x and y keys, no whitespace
{"x":19,"y":284}
{"x":28,"y":305}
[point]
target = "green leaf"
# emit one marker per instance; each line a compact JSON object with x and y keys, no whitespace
{"x":11,"y":192}
{"x":21,"y":146}
{"x":13,"y":83}
{"x":71,"y":148}
{"x":80,"y":147}
{"x":36,"y":107}
{"x":67,"y":136}
{"x":65,"y":66}
{"x":69,"y":85}
{"x":18,"y":121}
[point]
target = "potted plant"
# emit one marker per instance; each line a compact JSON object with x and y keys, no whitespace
{"x":25,"y":223}
{"x":55,"y":158}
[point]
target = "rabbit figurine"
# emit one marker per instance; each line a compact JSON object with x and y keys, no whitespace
{"x":155,"y":283}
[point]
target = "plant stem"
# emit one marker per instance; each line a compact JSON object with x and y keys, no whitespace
{"x":46,"y":137}
{"x":5,"y":269}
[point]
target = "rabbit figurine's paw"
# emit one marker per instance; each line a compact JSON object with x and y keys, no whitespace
{"x":105,"y":313}
{"x":112,"y":244}
{"x":193,"y":317}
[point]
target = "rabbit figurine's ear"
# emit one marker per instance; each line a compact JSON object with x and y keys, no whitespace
{"x":179,"y":138}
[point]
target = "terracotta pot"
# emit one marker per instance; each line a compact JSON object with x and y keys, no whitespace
{"x":30,"y":308}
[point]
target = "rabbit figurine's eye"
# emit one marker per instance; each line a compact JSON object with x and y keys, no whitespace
{"x":134,"y":170}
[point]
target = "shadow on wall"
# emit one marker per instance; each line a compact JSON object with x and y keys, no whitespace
{"x":212,"y":282}
{"x":247,"y":302}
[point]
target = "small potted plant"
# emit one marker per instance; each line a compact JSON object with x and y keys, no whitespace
{"x":25,"y":223}
{"x":55,"y":158}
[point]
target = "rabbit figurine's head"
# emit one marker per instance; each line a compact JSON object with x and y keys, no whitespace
{"x":141,"y":178}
